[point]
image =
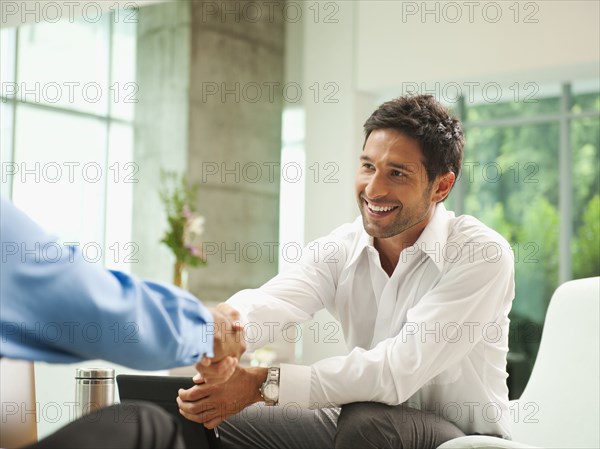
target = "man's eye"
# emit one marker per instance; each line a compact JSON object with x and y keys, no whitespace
{"x":397,"y":173}
{"x":367,"y":166}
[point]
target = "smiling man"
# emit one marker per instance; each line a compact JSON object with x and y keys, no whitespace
{"x":422,"y":296}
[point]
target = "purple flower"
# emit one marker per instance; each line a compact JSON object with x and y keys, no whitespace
{"x":193,"y":250}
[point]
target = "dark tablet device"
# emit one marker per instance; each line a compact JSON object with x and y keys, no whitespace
{"x":162,"y":391}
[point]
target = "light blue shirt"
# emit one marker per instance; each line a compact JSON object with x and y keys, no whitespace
{"x":57,"y":307}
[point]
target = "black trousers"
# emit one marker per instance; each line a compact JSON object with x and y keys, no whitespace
{"x":131,"y":425}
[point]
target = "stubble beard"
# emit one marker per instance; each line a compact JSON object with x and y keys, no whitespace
{"x":401,"y":223}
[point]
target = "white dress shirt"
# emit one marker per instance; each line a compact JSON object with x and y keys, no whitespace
{"x":434,"y":334}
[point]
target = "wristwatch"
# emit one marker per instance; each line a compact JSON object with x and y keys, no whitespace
{"x":269,"y":390}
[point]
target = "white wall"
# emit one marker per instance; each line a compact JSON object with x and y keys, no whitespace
{"x":395,"y":45}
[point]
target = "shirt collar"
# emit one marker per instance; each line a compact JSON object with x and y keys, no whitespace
{"x":363,"y":242}
{"x":433,"y":238}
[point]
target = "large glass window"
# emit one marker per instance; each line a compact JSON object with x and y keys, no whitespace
{"x":68,"y":99}
{"x":531,"y":172}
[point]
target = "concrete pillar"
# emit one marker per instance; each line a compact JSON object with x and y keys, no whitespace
{"x":234,"y":148}
{"x":161,"y":126}
{"x":185,"y":51}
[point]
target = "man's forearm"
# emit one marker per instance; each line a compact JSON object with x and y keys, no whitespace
{"x":255,"y":377}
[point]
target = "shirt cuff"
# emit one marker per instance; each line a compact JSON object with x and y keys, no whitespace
{"x":294,"y":385}
{"x":198,"y":338}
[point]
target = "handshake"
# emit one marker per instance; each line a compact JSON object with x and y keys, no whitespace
{"x":222,"y":387}
{"x":228,"y":345}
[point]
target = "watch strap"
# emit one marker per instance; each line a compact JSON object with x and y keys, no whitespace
{"x":272,"y":378}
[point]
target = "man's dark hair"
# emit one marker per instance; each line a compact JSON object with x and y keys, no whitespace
{"x":421,"y":117}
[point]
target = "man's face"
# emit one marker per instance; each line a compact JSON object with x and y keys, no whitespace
{"x":393,"y":190}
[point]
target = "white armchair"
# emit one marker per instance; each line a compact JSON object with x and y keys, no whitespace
{"x":560,"y":407}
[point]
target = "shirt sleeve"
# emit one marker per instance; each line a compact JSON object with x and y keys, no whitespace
{"x":292,"y":297}
{"x":289,"y":299}
{"x":58,"y":307}
{"x":441,"y":329}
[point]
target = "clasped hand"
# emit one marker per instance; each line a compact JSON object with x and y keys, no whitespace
{"x":228,"y":346}
{"x":222,"y":388}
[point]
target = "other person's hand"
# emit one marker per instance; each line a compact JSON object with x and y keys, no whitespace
{"x":228,"y":346}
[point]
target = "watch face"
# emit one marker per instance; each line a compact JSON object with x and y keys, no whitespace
{"x":271,"y":391}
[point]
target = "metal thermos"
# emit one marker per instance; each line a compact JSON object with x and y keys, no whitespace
{"x":94,"y":389}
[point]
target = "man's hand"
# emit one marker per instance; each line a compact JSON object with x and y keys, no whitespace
{"x":210,"y":404}
{"x":230,"y":312}
{"x":228,"y":345}
{"x":229,"y":337}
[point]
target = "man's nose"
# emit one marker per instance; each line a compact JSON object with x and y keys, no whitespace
{"x":376,"y":187}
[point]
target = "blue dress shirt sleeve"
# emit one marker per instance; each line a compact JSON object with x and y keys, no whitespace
{"x":57,"y":307}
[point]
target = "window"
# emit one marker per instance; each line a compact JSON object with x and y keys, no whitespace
{"x":68,"y":98}
{"x":531,"y":172}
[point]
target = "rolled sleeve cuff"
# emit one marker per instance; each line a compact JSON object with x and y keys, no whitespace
{"x":294,"y":385}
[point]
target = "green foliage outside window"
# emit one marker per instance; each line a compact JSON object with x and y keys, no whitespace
{"x":586,"y":244}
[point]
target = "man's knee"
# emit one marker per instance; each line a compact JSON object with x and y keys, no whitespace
{"x":358,"y":426}
{"x":154,"y":426}
{"x":375,"y":425}
{"x":137,"y":412}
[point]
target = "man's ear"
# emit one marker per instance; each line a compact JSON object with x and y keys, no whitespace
{"x":443,"y":185}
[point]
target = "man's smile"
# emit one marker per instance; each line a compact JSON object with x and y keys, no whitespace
{"x":380,"y":210}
